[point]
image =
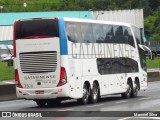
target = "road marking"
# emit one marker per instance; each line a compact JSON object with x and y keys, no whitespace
{"x":146,"y":118}
{"x":11,"y":101}
{"x":121,"y":101}
{"x":95,"y":105}
{"x":66,"y":110}
{"x":145,"y":98}
{"x":154,"y":82}
{"x":124,"y":118}
{"x":9,"y":82}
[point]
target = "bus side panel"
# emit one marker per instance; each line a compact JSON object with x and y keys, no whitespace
{"x":75,"y":78}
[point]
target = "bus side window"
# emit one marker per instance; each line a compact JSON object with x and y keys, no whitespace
{"x":70,"y":31}
{"x":98,"y":31}
{"x":109,"y":33}
{"x":118,"y":31}
{"x":87,"y":33}
{"x":77,"y":32}
{"x":131,"y":40}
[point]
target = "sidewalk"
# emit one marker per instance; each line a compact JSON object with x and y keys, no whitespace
{"x":7,"y":82}
{"x":153,"y":70}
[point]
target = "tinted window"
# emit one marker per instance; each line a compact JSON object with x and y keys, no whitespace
{"x":87,"y":33}
{"x":142,"y":59}
{"x":137,"y":34}
{"x":70,"y":31}
{"x":128,"y":37}
{"x":118,"y":32}
{"x":142,"y":56}
{"x":39,"y":27}
{"x":98,"y":31}
{"x":77,"y":32}
{"x":109,"y":33}
{"x":116,"y":65}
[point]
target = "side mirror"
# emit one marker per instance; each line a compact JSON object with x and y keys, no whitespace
{"x":145,"y":48}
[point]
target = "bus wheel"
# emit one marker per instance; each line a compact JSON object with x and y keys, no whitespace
{"x":134,"y":91}
{"x":94,"y":93}
{"x":128,"y":91}
{"x":84,"y":99}
{"x":41,"y":103}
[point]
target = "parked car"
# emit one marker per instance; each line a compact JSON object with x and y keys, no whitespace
{"x":155,"y":48}
{"x":6,"y":53}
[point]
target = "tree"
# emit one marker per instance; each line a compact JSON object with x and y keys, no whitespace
{"x":152,"y":26}
{"x":154,"y":4}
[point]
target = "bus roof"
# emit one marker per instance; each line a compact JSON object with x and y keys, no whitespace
{"x":84,"y":20}
{"x":98,"y":21}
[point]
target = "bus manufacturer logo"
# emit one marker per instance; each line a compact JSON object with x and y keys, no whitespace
{"x":39,"y":77}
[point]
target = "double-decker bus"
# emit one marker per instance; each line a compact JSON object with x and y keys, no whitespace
{"x":68,"y":58}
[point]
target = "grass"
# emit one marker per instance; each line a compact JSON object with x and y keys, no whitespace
{"x":6,"y":73}
{"x":153,"y":63}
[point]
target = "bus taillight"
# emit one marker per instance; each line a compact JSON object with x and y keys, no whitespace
{"x":63,"y":77}
{"x":56,"y":18}
{"x":14,"y":38}
{"x":18,"y":84}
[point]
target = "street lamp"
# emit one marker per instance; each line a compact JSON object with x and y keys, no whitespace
{"x":1,"y":7}
{"x":89,"y":12}
{"x":24,"y":5}
{"x":99,"y":13}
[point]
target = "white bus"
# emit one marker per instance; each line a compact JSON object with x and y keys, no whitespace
{"x":67,"y":58}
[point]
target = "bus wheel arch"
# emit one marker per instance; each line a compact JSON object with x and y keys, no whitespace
{"x":136,"y":87}
{"x":86,"y":93}
{"x":127,"y":94}
{"x":95,"y":92}
{"x":137,"y":83}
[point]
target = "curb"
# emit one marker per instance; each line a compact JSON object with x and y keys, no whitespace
{"x":8,"y":91}
{"x":153,"y":76}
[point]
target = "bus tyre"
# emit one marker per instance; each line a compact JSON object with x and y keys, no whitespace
{"x":84,"y":99}
{"x":94,"y":93}
{"x":134,"y":91}
{"x":41,"y":103}
{"x":127,"y":94}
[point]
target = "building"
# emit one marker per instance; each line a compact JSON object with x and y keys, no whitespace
{"x":128,"y":16}
{"x":7,"y":21}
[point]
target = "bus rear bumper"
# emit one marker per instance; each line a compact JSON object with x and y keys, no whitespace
{"x":43,"y":93}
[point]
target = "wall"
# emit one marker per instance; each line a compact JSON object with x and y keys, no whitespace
{"x":7,"y":20}
{"x":134,"y":17}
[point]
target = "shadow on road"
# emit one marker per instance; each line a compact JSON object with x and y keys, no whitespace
{"x":74,"y":103}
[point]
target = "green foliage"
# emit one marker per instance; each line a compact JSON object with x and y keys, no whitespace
{"x":6,"y":73}
{"x":151,"y":9}
{"x":153,"y":63}
{"x":154,"y":4}
{"x":152,"y":26}
{"x":53,"y":5}
{"x":149,"y":23}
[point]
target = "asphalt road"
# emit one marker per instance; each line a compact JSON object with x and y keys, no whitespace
{"x":110,"y":107}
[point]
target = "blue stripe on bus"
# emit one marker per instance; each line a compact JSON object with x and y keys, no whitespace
{"x":63,"y":38}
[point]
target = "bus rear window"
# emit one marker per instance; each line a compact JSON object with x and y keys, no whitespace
{"x":37,"y":27}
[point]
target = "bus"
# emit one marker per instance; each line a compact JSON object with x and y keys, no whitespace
{"x":67,"y":58}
